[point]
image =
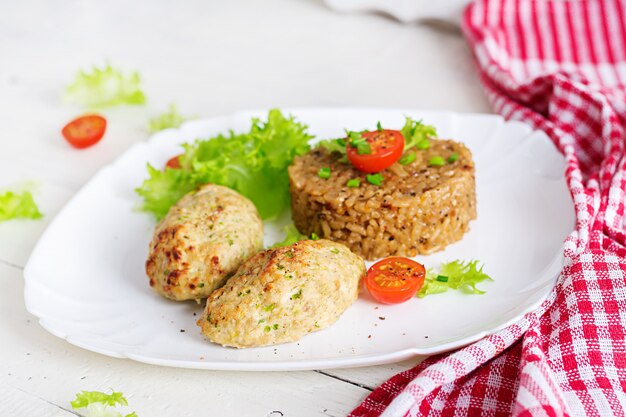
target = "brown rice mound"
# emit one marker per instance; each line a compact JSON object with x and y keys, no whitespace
{"x":418,"y":209}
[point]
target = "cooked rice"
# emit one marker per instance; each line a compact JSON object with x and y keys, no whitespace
{"x":419,"y":213}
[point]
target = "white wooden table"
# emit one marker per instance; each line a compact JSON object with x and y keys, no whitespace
{"x":211,"y":58}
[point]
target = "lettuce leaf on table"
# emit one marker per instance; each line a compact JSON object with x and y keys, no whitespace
{"x":253,"y":163}
{"x":105,"y":87}
{"x":18,"y":206}
{"x":170,"y":119}
{"x":100,"y":404}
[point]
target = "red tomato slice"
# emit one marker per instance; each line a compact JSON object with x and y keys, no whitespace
{"x":174,"y":162}
{"x":85,"y":131}
{"x":386,"y":148}
{"x":394,"y":280}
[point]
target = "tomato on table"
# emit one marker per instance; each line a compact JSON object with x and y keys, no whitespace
{"x":394,"y":280}
{"x":173,"y":162}
{"x":85,"y":131}
{"x":383,"y":148}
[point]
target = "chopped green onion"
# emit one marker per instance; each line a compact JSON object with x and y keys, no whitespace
{"x":379,"y":127}
{"x":375,"y":179}
{"x":442,"y":278}
{"x":423,"y":144}
{"x":407,"y":159}
{"x":364,"y":149}
{"x":353,"y":183}
{"x":453,"y":157}
{"x":324,"y":173}
{"x":436,"y":161}
{"x":275,"y":327}
{"x":314,"y":236}
{"x":267,"y":329}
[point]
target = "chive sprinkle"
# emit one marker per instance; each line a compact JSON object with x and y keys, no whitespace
{"x":436,"y":161}
{"x":407,"y":159}
{"x":453,"y":158}
{"x":379,"y":127}
{"x":314,"y":236}
{"x":442,"y":278}
{"x":324,"y":173}
{"x":375,"y":179}
{"x":353,"y":183}
{"x":364,"y":149}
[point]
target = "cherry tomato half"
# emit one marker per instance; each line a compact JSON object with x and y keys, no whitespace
{"x":386,"y":148}
{"x":394,"y":280}
{"x":85,"y":131}
{"x":174,"y":162}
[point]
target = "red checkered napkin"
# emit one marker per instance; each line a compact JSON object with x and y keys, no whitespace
{"x":559,"y":66}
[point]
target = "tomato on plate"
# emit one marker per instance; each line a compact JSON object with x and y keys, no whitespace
{"x":385,"y":148}
{"x":395,"y":279}
{"x":85,"y":131}
{"x":173,"y":162}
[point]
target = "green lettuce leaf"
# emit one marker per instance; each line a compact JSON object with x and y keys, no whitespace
{"x":84,"y":398}
{"x":417,"y":134}
{"x":170,"y":119}
{"x":253,"y":163}
{"x":456,"y":275}
{"x":100,"y":404}
{"x":292,"y":235}
{"x":18,"y":206}
{"x":105,"y":87}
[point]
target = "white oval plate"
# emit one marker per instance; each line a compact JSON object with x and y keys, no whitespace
{"x":85,"y":280}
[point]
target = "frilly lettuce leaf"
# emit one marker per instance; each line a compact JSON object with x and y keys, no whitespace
{"x":292,"y":235}
{"x":18,"y":206}
{"x":416,"y":133}
{"x":170,"y":119}
{"x":100,"y":404}
{"x":456,"y":275}
{"x":253,"y":163}
{"x":105,"y":87}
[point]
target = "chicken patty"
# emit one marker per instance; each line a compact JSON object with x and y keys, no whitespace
{"x":202,"y":240}
{"x":282,"y":294}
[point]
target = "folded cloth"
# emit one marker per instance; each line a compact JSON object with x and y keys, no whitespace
{"x":559,"y":66}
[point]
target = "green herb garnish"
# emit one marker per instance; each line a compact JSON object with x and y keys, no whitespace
{"x":275,"y":327}
{"x":253,"y":164}
{"x":297,"y":295}
{"x":364,"y":149}
{"x":270,"y":307}
{"x":353,"y":183}
{"x":379,"y":127}
{"x":375,"y":179}
{"x":456,"y":275}
{"x":324,"y":173}
{"x":105,"y":87}
{"x":453,"y":158}
{"x":314,"y":236}
{"x":436,"y":161}
{"x":18,"y":206}
{"x":267,"y":329}
{"x":407,"y":158}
